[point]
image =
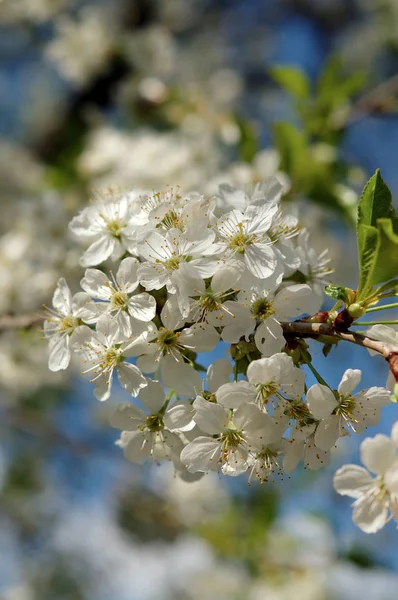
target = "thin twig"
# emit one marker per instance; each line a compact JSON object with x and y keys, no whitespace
{"x":315,"y":330}
{"x":19,"y":321}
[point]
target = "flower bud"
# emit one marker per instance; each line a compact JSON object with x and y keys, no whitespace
{"x":356,"y":310}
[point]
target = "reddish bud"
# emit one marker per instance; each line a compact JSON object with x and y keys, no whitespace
{"x":343,"y":320}
{"x":319,"y":317}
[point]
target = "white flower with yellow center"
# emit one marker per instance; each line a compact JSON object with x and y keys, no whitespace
{"x":376,"y":498}
{"x":339,"y":411}
{"x":215,"y":306}
{"x":111,"y":227}
{"x":106,"y":351}
{"x":276,"y":378}
{"x":175,"y":261}
{"x":143,"y":429}
{"x":302,"y":447}
{"x":114,"y":296}
{"x":166,"y":349}
{"x":62,"y":322}
{"x":245,"y":235}
{"x":226,"y":446}
{"x":269,"y":310}
{"x":172,"y":210}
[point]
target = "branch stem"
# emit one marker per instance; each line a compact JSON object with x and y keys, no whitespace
{"x":370,"y":323}
{"x":314,"y":330}
{"x":384,"y":307}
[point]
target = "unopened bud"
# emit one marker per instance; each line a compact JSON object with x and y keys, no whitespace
{"x":356,"y":310}
{"x":319,"y":317}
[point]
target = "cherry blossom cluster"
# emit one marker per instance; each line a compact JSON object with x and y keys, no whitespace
{"x":169,"y":278}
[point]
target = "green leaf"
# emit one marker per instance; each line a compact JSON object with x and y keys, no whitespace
{"x":337,"y":292}
{"x":292,"y":80}
{"x":248,"y":141}
{"x":367,"y":238}
{"x":377,"y":236}
{"x":375,"y":202}
{"x":385,"y":265}
{"x":293,"y":147}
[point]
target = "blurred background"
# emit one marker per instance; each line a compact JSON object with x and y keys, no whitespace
{"x":144,"y":94}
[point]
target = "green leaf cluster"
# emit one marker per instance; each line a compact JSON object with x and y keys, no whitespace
{"x":308,"y":152}
{"x":323,"y":108}
{"x":377,"y":237}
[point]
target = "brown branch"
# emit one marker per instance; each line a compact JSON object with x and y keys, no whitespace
{"x":314,"y":330}
{"x":19,"y":321}
{"x":376,"y":101}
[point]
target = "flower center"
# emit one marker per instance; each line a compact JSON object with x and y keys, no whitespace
{"x":264,"y":391}
{"x":69,"y":324}
{"x":119,"y":300}
{"x":209,"y":302}
{"x":239,"y":242}
{"x":114,"y":227}
{"x":154,"y":423}
{"x":299,"y":411}
{"x":112,"y":358}
{"x":231,"y":438}
{"x":172,"y":221}
{"x":345,"y":407}
{"x":173,"y":263}
{"x":262,"y":309}
{"x":167,"y":339}
{"x":209,"y":397}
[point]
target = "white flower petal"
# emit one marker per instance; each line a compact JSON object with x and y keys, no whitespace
{"x":269,"y":337}
{"x":127,"y":274}
{"x":180,"y":377}
{"x":327,"y":433}
{"x":200,"y":338}
{"x":202,"y":454}
{"x":321,"y":401}
{"x":349,"y":381}
{"x":103,"y":386}
{"x":233,"y":395}
{"x":295,"y":300}
{"x":179,"y":417}
{"x":352,"y":480}
{"x":370,"y":514}
{"x":314,"y":458}
{"x":96,"y":284}
{"x":99,"y":251}
{"x":260,"y":260}
{"x":139,"y":446}
{"x":131,"y":378}
{"x":142,"y":307}
{"x":152,"y":396}
{"x":293,"y":456}
{"x":227,"y":276}
{"x":378,"y":453}
{"x":126,"y":417}
{"x":60,"y":353}
{"x":218,"y":373}
{"x":211,"y":418}
{"x":62,"y":298}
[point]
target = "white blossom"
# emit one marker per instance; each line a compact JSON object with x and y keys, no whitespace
{"x":63,"y":322}
{"x":227,"y":444}
{"x":113,"y":296}
{"x":143,"y":429}
{"x":375,"y":497}
{"x":110,"y":226}
{"x":106,"y":350}
{"x":245,"y":235}
{"x":338,"y":410}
